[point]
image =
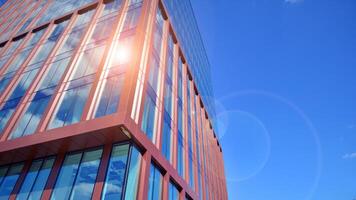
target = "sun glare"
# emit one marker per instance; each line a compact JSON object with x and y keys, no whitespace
{"x":122,"y":54}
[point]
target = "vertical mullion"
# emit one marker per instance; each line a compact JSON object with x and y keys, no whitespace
{"x":160,"y":96}
{"x":15,"y":29}
{"x":103,"y":167}
{"x":13,"y":14}
{"x":20,"y":180}
{"x":76,"y":175}
{"x":127,"y":169}
{"x":175,"y":107}
{"x":61,"y":84}
{"x":140,"y":73}
{"x":144,"y":175}
{"x":88,"y":109}
{"x":37,"y":79}
{"x":40,"y":14}
{"x":51,"y":181}
{"x":147,"y":65}
{"x":22,"y":67}
{"x":165,"y":186}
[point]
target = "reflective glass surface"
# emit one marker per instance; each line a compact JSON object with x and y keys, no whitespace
{"x":184,"y":23}
{"x":9,"y":180}
{"x":154,"y":183}
{"x":35,"y":179}
{"x":28,"y":121}
{"x":77,"y":176}
{"x":116,"y":173}
{"x":173,"y":192}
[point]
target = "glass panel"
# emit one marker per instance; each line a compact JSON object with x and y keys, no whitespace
{"x":66,"y":177}
{"x":3,"y":171}
{"x":114,"y":73}
{"x":149,"y":117}
{"x":70,"y":107}
{"x":133,"y":174}
{"x":28,"y":74}
{"x":86,"y":177}
{"x":10,"y":180}
{"x":150,"y":109}
{"x":173,"y":192}
{"x":41,"y":180}
{"x":116,"y":173}
{"x":29,"y":180}
{"x":28,"y":122}
{"x":155,"y":183}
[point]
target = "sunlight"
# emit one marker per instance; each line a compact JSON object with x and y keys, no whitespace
{"x":122,"y":54}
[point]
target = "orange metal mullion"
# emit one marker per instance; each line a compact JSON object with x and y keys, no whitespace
{"x":40,"y":14}
{"x":26,"y":97}
{"x":19,"y":71}
{"x":100,"y":180}
{"x":3,"y":12}
{"x":175,"y":105}
{"x":21,"y":22}
{"x":198,"y":113}
{"x":12,"y":14}
{"x":20,"y":180}
{"x":133,"y":85}
{"x":163,"y":67}
{"x":58,"y":91}
{"x":165,"y":183}
{"x":194,"y":142}
{"x":203,"y":163}
{"x":52,"y":177}
{"x":110,"y":43}
{"x":185,"y":124}
{"x":144,"y":175}
{"x":11,"y":36}
{"x":19,"y":14}
{"x":14,"y":54}
{"x":147,"y":65}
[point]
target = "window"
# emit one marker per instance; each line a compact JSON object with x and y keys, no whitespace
{"x":180,"y":142}
{"x":8,"y":181}
{"x":79,"y":170}
{"x":58,"y":8}
{"x":155,"y":183}
{"x":36,"y":179}
{"x":167,"y":138}
{"x":114,"y":73}
{"x":133,"y":174}
{"x":122,"y":172}
{"x":28,"y":74}
{"x":149,"y":117}
{"x":116,"y":172}
{"x":28,"y":121}
{"x":197,"y":141}
{"x":148,"y":125}
{"x":173,"y":192}
{"x":168,"y":103}
{"x":70,"y":107}
{"x":190,"y":136}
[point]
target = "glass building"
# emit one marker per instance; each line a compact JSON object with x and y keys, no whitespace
{"x":106,"y":99}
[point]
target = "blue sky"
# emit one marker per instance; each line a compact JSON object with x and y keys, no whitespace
{"x":284,"y":75}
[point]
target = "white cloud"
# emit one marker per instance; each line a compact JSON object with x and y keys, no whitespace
{"x":349,"y":156}
{"x":293,"y":1}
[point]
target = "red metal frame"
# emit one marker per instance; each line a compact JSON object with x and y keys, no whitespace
{"x":126,"y":123}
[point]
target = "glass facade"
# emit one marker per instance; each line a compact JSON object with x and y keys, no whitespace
{"x":77,"y":175}
{"x":173,"y":192}
{"x":36,"y":179}
{"x":105,"y":99}
{"x":183,"y":20}
{"x":154,"y":76}
{"x":155,"y":183}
